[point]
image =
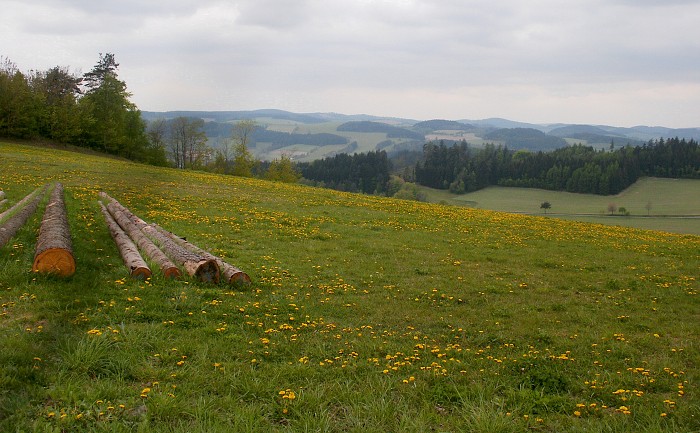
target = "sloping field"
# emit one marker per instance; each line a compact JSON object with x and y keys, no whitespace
{"x":364,"y":314}
{"x":653,"y":203}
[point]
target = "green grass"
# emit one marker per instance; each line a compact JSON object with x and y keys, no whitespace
{"x":373,"y":314}
{"x":667,"y":198}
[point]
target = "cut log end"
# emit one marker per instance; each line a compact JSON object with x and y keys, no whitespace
{"x":239,"y":278}
{"x":56,"y":261}
{"x":208,"y":271}
{"x":172,"y":273}
{"x":140,"y":273}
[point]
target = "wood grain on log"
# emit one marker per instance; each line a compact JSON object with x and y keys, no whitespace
{"x":195,"y":265}
{"x":169,"y":269}
{"x":54,"y":249}
{"x":16,"y":216}
{"x":230,"y":273}
{"x":127,"y":249}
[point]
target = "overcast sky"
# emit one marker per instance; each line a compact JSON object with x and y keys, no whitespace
{"x":616,"y":62}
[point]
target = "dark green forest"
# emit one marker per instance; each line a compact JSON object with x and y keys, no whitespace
{"x":362,"y":172}
{"x":578,"y":168}
{"x":92,"y":110}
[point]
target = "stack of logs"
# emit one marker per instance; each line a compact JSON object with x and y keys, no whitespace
{"x":54,"y":250}
{"x":132,"y":234}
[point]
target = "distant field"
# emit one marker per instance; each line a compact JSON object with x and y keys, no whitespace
{"x":666,"y":199}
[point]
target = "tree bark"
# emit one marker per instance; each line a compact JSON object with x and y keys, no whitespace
{"x":18,"y":214}
{"x":54,"y":249}
{"x":169,"y":269}
{"x":198,"y":266}
{"x":230,"y":273}
{"x":195,"y":265}
{"x":127,"y":249}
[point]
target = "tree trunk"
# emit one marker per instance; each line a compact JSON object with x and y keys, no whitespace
{"x":231,"y":274}
{"x":169,"y":269}
{"x":54,"y":249}
{"x":196,"y":266}
{"x":18,"y":214}
{"x":128,"y":250}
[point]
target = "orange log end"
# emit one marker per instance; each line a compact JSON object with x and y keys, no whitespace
{"x":55,"y":261}
{"x":141,"y":273}
{"x":172,"y":273}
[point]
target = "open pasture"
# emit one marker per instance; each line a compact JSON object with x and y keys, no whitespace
{"x":653,"y":203}
{"x":364,"y":314}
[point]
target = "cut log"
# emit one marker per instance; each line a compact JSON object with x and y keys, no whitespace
{"x":195,"y":265}
{"x":54,"y":249}
{"x":169,"y":269}
{"x":230,"y":273}
{"x":16,"y":216}
{"x":127,"y":249}
{"x":2,"y":194}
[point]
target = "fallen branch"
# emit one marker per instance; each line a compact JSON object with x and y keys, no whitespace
{"x":19,"y":214}
{"x":169,"y":269}
{"x":54,"y":249}
{"x":127,"y":249}
{"x":231,"y":274}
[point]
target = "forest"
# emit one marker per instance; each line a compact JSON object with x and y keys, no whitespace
{"x":368,"y":172}
{"x":578,"y":168}
{"x":92,"y":110}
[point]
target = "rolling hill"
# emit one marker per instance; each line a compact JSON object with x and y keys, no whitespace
{"x":283,"y":132}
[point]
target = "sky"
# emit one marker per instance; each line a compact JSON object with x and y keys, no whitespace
{"x":612,"y":62}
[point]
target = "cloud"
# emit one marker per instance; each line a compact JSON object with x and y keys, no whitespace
{"x":217,"y":54}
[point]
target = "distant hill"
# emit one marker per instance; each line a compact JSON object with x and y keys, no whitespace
{"x":526,"y":138}
{"x":443,"y":125}
{"x":391,"y":131}
{"x":309,"y":136}
{"x":570,"y":130}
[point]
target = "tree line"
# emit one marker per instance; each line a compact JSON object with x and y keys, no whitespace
{"x":368,"y":173}
{"x":578,"y":168}
{"x":92,"y":110}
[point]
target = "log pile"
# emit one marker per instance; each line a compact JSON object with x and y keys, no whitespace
{"x":15,"y":217}
{"x":157,"y":242}
{"x":128,"y":250}
{"x":230,"y":273}
{"x":167,"y":267}
{"x":54,"y":248}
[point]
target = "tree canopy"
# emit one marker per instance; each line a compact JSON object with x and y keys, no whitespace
{"x":92,"y":110}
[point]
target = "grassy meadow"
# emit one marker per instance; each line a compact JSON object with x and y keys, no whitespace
{"x":365,"y":314}
{"x":652,"y":203}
